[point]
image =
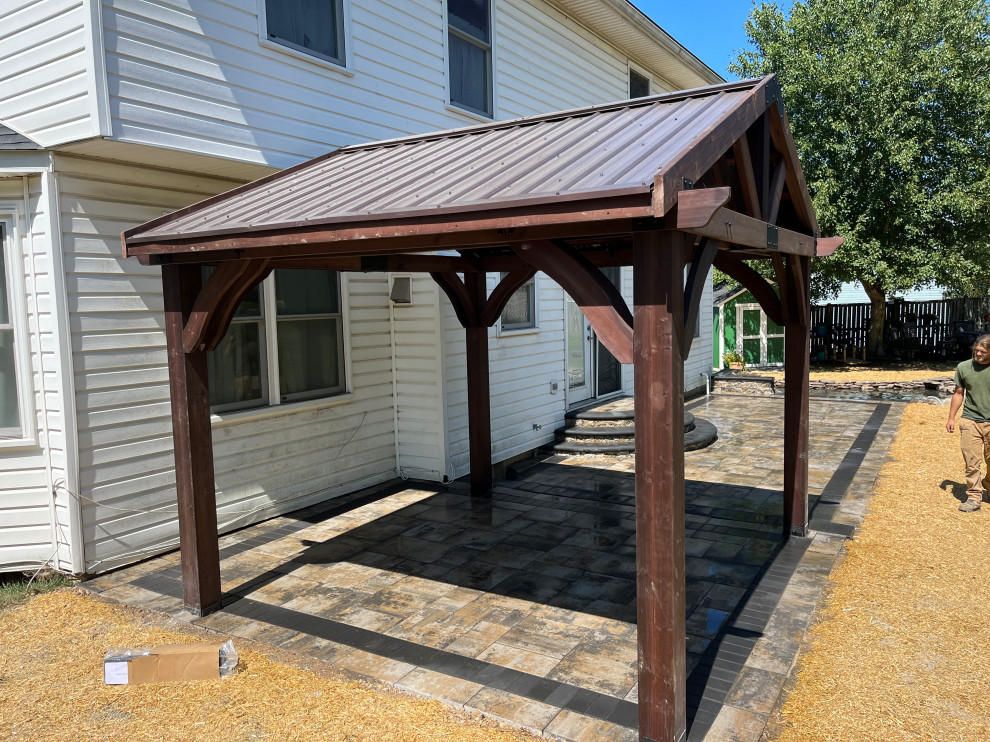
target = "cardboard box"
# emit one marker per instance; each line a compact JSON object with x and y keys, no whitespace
{"x":169,"y":663}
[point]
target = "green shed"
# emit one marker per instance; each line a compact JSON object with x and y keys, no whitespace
{"x":738,"y":324}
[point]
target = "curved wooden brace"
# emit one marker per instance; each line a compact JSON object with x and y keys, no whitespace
{"x":694,"y":287}
{"x":461,"y":300}
{"x":217,"y":301}
{"x":761,"y":290}
{"x":502,"y":293}
{"x":601,"y":302}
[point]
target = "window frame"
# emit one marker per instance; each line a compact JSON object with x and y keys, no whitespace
{"x":632,"y":69}
{"x":26,"y":433}
{"x":491,"y":49}
{"x":343,"y":65}
{"x":272,"y":397}
{"x":530,"y":327}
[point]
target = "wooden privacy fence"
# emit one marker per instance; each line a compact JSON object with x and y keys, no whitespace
{"x":943,"y":327}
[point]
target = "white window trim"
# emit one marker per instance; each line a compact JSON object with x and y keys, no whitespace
{"x":12,"y":218}
{"x":448,"y":104}
{"x":535,"y":328}
{"x":764,"y":334}
{"x":346,"y":68}
{"x":273,"y":403}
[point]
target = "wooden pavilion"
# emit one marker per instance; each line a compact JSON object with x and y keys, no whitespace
{"x":699,"y":178}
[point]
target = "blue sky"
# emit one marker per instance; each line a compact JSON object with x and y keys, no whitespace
{"x":711,"y":29}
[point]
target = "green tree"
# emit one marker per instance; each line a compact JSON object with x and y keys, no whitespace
{"x":889,"y":103}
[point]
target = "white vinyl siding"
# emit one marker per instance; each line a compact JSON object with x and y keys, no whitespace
{"x":547,"y":62}
{"x":522,"y":367}
{"x":267,"y":461}
{"x":28,"y":470}
{"x":698,"y":365}
{"x":419,"y":383}
{"x":204,"y":83}
{"x":47,"y":60}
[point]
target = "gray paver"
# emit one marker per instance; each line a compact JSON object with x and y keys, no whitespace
{"x":536,"y":587}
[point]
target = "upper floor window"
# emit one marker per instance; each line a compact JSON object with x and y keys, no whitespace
{"x":520,"y":310}
{"x":639,"y":85}
{"x":312,"y":26}
{"x":284,"y":344}
{"x":469,"y":51}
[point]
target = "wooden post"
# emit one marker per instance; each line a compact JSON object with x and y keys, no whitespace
{"x":796,"y":371}
{"x":190,"y":393}
{"x":658,"y":326}
{"x":479,"y":392}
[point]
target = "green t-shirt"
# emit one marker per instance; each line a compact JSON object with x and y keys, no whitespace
{"x":975,"y":379}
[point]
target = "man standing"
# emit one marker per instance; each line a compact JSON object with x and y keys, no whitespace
{"x":973,"y":378}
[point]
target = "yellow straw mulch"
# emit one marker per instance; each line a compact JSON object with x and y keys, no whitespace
{"x":902,"y":651}
{"x":51,"y":688}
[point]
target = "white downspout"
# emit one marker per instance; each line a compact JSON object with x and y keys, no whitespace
{"x":395,"y":372}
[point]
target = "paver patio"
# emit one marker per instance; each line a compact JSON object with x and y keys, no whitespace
{"x":523,"y":607}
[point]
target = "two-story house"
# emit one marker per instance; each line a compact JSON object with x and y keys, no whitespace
{"x":117,"y":112}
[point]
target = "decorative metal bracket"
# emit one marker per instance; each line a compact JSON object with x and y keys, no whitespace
{"x":773,"y":236}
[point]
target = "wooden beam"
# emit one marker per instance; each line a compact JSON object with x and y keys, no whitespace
{"x":502,"y":293}
{"x":695,"y":208}
{"x":759,"y":152}
{"x":825,"y":246}
{"x":780,"y":133}
{"x":710,"y":144}
{"x":189,"y":390}
{"x":797,"y":354}
{"x":415,"y":233}
{"x":601,"y":302}
{"x":479,"y":393}
{"x":798,"y":288}
{"x":606,"y":257}
{"x":783,"y":290}
{"x":776,"y":192}
{"x":732,"y":227}
{"x":747,"y":176}
{"x":659,"y":401}
{"x":218,"y":300}
{"x":404,"y":263}
{"x":762,"y":291}
{"x":694,"y":287}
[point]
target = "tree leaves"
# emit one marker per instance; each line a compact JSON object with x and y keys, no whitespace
{"x":889,"y":103}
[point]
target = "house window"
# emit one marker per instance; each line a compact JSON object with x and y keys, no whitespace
{"x":469,"y":51}
{"x":10,"y":413}
{"x":639,"y":85}
{"x":520,"y":311}
{"x":312,"y":26}
{"x":285,"y":343}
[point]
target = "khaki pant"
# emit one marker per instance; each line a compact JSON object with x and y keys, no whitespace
{"x":975,"y":444}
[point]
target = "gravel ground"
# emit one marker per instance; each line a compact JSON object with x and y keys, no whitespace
{"x":901,"y":650}
{"x":52,"y":689}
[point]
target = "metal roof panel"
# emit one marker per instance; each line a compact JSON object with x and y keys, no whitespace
{"x":601,"y":150}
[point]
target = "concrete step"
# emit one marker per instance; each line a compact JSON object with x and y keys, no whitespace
{"x":593,"y":436}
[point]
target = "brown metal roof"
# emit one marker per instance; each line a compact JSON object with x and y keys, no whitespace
{"x":604,"y":151}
